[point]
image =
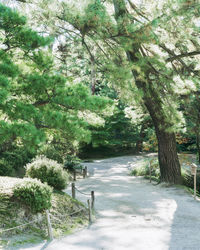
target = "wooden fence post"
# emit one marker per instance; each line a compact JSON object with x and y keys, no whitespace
{"x":85,"y":172}
{"x":73,"y":190}
{"x":92,"y":199}
{"x":150,"y":171}
{"x":50,"y":232}
{"x":89,"y":212}
{"x":74,"y":173}
{"x":194,"y":172}
{"x":195,"y":186}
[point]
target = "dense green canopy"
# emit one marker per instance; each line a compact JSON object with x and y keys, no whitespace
{"x":36,"y":98}
{"x":134,"y":50}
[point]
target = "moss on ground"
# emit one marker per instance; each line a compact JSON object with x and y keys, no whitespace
{"x":67,"y":215}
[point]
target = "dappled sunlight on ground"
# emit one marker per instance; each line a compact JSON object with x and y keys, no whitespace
{"x":132,"y":213}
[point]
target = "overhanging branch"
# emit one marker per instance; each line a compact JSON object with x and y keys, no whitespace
{"x":175,"y":57}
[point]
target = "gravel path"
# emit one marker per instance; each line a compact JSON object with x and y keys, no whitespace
{"x":133,"y":214}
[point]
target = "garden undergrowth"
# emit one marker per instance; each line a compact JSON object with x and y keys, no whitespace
{"x":13,"y":214}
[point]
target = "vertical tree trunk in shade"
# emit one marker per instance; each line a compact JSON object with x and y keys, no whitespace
{"x":167,"y":152}
{"x":168,"y":158}
{"x":198,"y":145}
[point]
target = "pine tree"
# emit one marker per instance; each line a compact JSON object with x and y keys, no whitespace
{"x":145,"y":54}
{"x":37,"y":101}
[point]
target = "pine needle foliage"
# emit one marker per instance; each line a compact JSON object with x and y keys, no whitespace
{"x":37,"y":101}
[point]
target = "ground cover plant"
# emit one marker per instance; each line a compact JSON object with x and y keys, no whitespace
{"x":142,"y":168}
{"x":13,"y":213}
{"x":34,"y":194}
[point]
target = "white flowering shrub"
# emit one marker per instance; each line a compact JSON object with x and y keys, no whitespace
{"x":48,"y":171}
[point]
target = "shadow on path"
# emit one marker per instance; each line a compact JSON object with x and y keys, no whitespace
{"x":132,"y":213}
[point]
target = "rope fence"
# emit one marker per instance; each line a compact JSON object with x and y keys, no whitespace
{"x":83,"y":172}
{"x":49,"y":216}
{"x":22,"y":225}
{"x":90,"y":202}
{"x":82,"y":192}
{"x":48,"y":219}
{"x":67,"y":215}
{"x":92,"y":196}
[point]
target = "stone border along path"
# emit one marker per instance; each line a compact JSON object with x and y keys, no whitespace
{"x":132,"y":213}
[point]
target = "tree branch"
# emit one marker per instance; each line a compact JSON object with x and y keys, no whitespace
{"x":88,"y":49}
{"x":170,"y":52}
{"x":175,"y":57}
{"x":134,"y":7}
{"x":41,"y":103}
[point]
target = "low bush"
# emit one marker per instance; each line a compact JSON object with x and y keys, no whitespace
{"x":155,"y":169}
{"x":71,"y":162}
{"x":48,"y":171}
{"x":142,"y":168}
{"x":14,"y":160}
{"x":34,"y":194}
{"x":188,"y":180}
{"x":18,"y":157}
{"x":5,"y":168}
{"x":52,"y":152}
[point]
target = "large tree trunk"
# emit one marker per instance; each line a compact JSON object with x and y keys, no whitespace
{"x":168,"y":158}
{"x":167,"y":152}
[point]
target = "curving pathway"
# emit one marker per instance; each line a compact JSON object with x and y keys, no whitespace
{"x":133,"y":214}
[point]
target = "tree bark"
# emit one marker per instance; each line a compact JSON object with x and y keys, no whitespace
{"x":168,"y":158}
{"x":170,"y":169}
{"x":167,"y":152}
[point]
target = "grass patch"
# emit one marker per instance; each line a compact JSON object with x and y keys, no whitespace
{"x":153,"y":178}
{"x":191,"y":191}
{"x":142,"y":168}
